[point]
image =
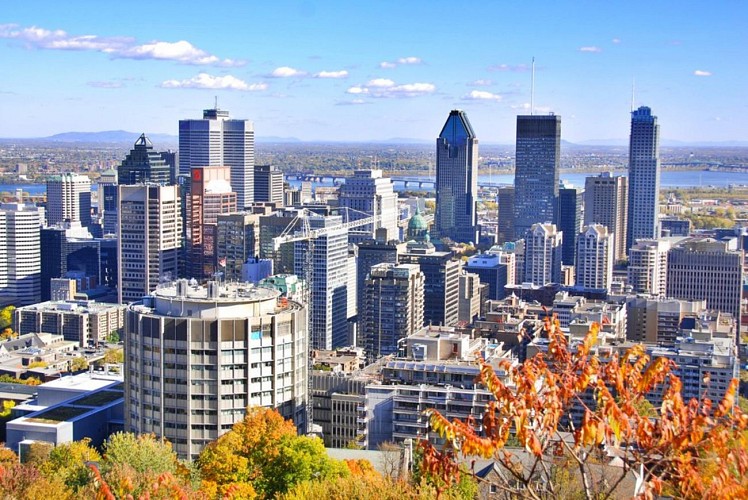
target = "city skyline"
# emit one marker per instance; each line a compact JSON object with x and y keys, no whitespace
{"x":346,"y":72}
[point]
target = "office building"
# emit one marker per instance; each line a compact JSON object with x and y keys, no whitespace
{"x":457,"y":180}
{"x":217,"y":140}
{"x":647,"y":270}
{"x":657,"y":320}
{"x":210,"y":195}
{"x":199,"y":356}
{"x":323,"y":264}
{"x":594,"y":265}
{"x":143,"y":164}
{"x":69,"y":248}
{"x":606,"y":203}
{"x":674,"y":226}
{"x":536,"y":171}
{"x":368,"y":194}
{"x":569,"y":220}
{"x":370,"y":253}
{"x":505,"y":225}
{"x":704,"y":268}
{"x":543,"y":243}
{"x":150,"y":238}
{"x":392,"y":308}
{"x":85,"y":322}
{"x":470,"y":300}
{"x":69,"y":199}
{"x":237,"y":241}
{"x":268,"y":182}
{"x":20,"y":256}
{"x":644,"y":176}
{"x":107,"y":192}
{"x":286,"y":221}
{"x":496,"y":269}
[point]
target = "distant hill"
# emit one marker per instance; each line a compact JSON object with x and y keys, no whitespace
{"x":109,"y":136}
{"x":277,"y":140}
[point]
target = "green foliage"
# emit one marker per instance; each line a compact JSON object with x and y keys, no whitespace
{"x":6,"y":407}
{"x":113,"y":337}
{"x":144,"y":453}
{"x":7,"y":379}
{"x":79,"y":363}
{"x":353,"y":488}
{"x":68,"y":462}
{"x":38,"y":364}
{"x":6,"y":317}
{"x":114,"y":356}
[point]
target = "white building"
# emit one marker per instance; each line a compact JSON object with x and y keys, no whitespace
{"x":543,"y":254}
{"x":367,"y":192}
{"x":647,"y":271}
{"x":69,"y":199}
{"x":594,"y":260}
{"x":149,"y":235}
{"x":217,"y":140}
{"x":199,"y":356}
{"x":20,"y":255}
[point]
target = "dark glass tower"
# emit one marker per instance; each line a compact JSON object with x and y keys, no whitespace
{"x":536,"y":171}
{"x":644,"y":176}
{"x":143,"y":164}
{"x":457,"y":180}
{"x":569,"y":221}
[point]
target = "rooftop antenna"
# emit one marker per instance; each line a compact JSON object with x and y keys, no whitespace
{"x":216,"y":102}
{"x":532,"y":88}
{"x":633,"y":93}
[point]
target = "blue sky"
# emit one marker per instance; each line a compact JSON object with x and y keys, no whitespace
{"x":371,"y":70}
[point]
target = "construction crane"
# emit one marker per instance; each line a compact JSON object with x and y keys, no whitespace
{"x":307,"y":234}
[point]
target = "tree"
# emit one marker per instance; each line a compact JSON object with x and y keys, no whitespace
{"x":145,"y":453}
{"x":6,"y":407}
{"x":38,"y":364}
{"x":68,"y":461}
{"x":113,"y":337}
{"x":6,"y":317}
{"x":78,"y":364}
{"x":693,"y":449}
{"x":114,"y":356}
{"x":8,"y":334}
{"x":264,"y":450}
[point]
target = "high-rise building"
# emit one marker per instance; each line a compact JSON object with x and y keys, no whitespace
{"x":505,"y":225}
{"x":536,"y":171}
{"x":273,"y":225}
{"x":392,"y":307}
{"x":323,"y":261}
{"x":143,"y":164}
{"x":644,"y":176}
{"x":496,"y":269}
{"x":209,"y":196}
{"x":594,"y":264}
{"x":606,"y":203}
{"x":107,"y":188}
{"x":69,"y":199}
{"x":268,"y":181}
{"x":238,"y":240}
{"x":199,"y":356}
{"x":217,"y":140}
{"x":69,"y":248}
{"x":658,"y":319}
{"x":543,"y":243}
{"x":457,"y":180}
{"x":371,"y":253}
{"x":150,"y":238}
{"x":704,"y":268}
{"x":470,"y":297}
{"x":569,"y":220}
{"x":647,"y":269}
{"x":367,"y":193}
{"x":442,"y":282}
{"x":20,"y":258}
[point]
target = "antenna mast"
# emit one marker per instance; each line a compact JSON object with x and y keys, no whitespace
{"x":532,"y":88}
{"x":216,"y":102}
{"x":633,"y":93}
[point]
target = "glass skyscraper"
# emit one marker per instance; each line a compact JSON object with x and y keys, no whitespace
{"x":217,"y":141}
{"x":457,"y":179}
{"x":644,"y":176}
{"x":536,"y":171}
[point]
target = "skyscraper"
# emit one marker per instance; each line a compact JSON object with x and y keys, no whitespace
{"x":569,"y":220}
{"x":238,"y":240}
{"x":543,"y":254}
{"x":149,"y":232}
{"x":594,"y":264}
{"x":505,"y":225}
{"x":644,"y":176}
{"x":143,"y":164}
{"x":268,"y":182}
{"x":457,"y":180}
{"x":20,"y":258}
{"x":217,"y":140}
{"x":69,"y":199}
{"x":367,"y":193}
{"x":606,"y":203}
{"x":210,"y":195}
{"x":392,"y":308}
{"x":536,"y":171}
{"x":647,"y":269}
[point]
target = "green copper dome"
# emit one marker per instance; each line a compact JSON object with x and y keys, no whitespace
{"x":418,"y":228}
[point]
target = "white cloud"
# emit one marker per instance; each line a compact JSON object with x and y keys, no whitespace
{"x":124,"y":47}
{"x":287,"y":72}
{"x":481,"y":95}
{"x":105,"y":85}
{"x":616,"y":41}
{"x":352,"y":102}
{"x":332,"y":74}
{"x":521,"y":106}
{"x":410,"y":60}
{"x":384,"y":87}
{"x":516,"y":68}
{"x":481,"y":83}
{"x":206,"y":81}
{"x":701,"y":72}
{"x":590,"y":48}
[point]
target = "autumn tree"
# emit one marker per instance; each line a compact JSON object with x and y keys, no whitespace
{"x":68,"y":462}
{"x":693,"y":449}
{"x":263,"y":450}
{"x":6,"y":317}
